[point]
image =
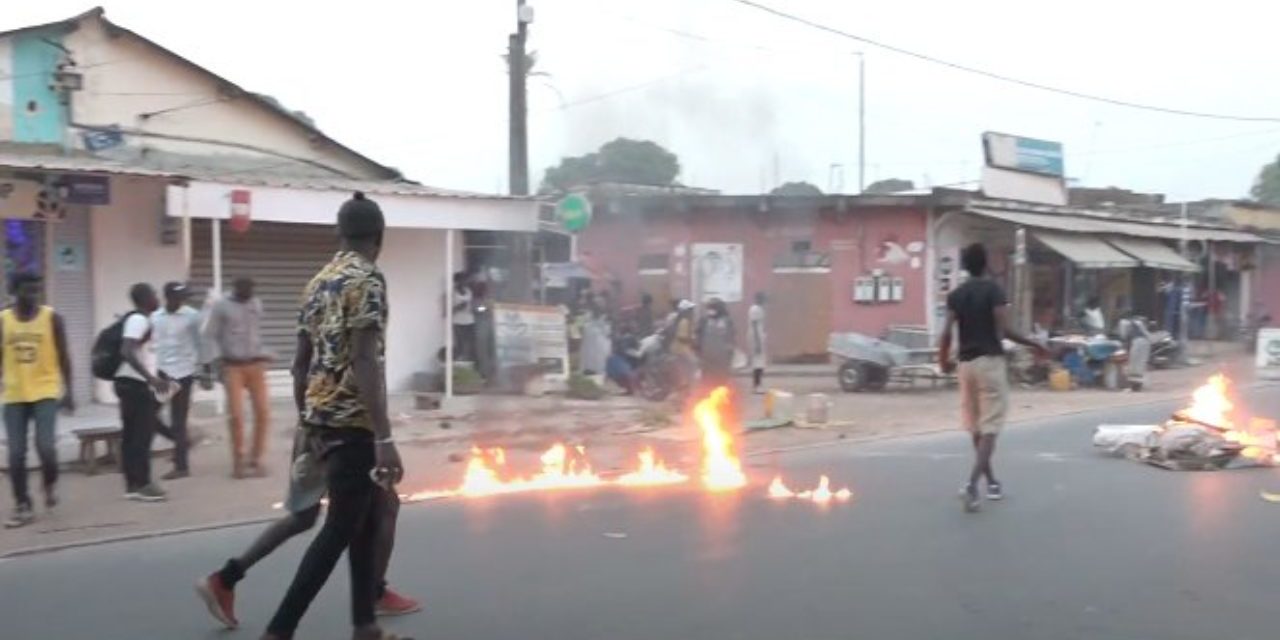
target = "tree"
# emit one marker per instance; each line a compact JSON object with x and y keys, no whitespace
{"x":621,"y":160}
{"x":890,"y":185}
{"x":796,"y":189}
{"x":1266,"y":188}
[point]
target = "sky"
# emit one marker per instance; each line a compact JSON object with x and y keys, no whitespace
{"x":748,"y":100}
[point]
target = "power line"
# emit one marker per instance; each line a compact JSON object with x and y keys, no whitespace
{"x":627,"y":89}
{"x":997,"y":76}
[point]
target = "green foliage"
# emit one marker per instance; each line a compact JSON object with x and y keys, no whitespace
{"x":1266,"y":188}
{"x":796,"y":189}
{"x":584,"y":388}
{"x":890,"y":185}
{"x":621,"y":160}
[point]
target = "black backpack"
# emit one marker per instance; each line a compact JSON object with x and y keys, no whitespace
{"x":107,"y":348}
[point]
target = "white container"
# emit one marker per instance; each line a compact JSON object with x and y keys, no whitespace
{"x":779,"y":405}
{"x":817,"y":409}
{"x":1268,"y":355}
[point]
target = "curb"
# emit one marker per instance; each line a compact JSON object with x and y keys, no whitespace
{"x":141,"y":535}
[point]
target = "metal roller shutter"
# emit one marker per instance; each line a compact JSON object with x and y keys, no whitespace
{"x":281,"y":258}
{"x":72,"y":292}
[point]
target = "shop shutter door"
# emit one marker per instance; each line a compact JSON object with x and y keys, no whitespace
{"x":281,"y":258}
{"x":70,"y":284}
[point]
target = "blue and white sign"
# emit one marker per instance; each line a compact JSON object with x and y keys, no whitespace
{"x":102,"y":139}
{"x":1016,"y":153}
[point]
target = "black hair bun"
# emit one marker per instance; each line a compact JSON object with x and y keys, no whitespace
{"x":359,"y":195}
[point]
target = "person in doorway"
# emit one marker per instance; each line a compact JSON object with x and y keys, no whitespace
{"x":179,"y":360}
{"x":464,"y":319}
{"x":756,"y":338}
{"x":37,"y":378}
{"x":327,"y":395}
{"x":234,"y":330}
{"x":715,"y":344}
{"x":979,"y":309}
{"x":138,"y":386}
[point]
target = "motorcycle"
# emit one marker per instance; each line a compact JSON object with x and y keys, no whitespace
{"x":1166,"y":351}
{"x":660,"y":372}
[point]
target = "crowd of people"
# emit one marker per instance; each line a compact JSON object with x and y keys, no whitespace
{"x":704,"y":342}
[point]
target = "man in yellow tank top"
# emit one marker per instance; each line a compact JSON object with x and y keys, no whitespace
{"x":37,"y":378}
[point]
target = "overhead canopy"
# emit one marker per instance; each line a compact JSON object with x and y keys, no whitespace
{"x":1153,"y":253}
{"x":1085,"y":252}
{"x":1099,"y":225}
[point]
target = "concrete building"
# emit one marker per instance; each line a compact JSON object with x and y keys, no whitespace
{"x":122,"y":162}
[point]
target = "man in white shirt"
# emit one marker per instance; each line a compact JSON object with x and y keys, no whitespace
{"x":464,"y":319}
{"x":136,"y":384}
{"x":178,"y":345}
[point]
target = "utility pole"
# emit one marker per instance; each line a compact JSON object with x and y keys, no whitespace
{"x":862,"y":122}
{"x":519,"y":255}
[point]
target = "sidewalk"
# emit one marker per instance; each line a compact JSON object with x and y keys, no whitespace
{"x":434,"y":445}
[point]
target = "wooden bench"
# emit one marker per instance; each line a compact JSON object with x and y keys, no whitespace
{"x":89,"y":439}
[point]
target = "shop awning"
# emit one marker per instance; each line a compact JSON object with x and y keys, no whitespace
{"x":1084,"y":251}
{"x":1092,"y":224}
{"x":1153,"y":253}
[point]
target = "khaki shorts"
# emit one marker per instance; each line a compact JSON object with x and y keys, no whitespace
{"x":984,"y":394}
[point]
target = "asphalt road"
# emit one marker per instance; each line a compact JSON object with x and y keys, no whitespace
{"x":1084,"y":547}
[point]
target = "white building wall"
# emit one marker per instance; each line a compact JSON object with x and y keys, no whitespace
{"x":413,"y":262}
{"x":126,"y":249}
{"x":125,"y":77}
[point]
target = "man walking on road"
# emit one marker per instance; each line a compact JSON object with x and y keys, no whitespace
{"x":235,"y":330}
{"x":37,"y":376}
{"x":980,"y":310}
{"x":176,"y":329}
{"x":340,"y":383}
{"x":136,"y":385}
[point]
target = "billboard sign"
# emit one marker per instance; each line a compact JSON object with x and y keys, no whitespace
{"x":1016,"y":153}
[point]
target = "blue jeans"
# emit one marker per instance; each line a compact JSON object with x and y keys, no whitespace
{"x":17,"y":417}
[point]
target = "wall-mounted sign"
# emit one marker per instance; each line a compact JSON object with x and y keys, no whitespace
{"x":241,"y":210}
{"x":102,"y":139}
{"x":90,"y":190}
{"x":68,"y":258}
{"x":717,"y":271}
{"x":574,"y":212}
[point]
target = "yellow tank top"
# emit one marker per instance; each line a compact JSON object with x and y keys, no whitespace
{"x":31,"y":371}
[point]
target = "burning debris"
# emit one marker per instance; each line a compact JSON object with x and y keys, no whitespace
{"x":1212,"y":433}
{"x":568,"y":467}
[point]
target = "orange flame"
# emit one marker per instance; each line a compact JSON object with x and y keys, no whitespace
{"x":721,"y":469}
{"x":778,"y":490}
{"x":820,"y":495}
{"x":1211,"y":404}
{"x":652,"y":471}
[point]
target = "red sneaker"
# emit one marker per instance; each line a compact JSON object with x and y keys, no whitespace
{"x":394,"y":604}
{"x":220,"y":600}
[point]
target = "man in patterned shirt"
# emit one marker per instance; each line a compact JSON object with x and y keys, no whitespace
{"x":340,"y":387}
{"x":308,"y":483}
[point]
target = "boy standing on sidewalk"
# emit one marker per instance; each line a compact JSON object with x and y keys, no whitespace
{"x":178,"y":343}
{"x":980,"y":310}
{"x":235,"y":331}
{"x":37,"y":375}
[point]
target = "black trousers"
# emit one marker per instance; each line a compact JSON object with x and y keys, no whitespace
{"x":350,"y":525}
{"x":138,"y":420}
{"x":176,"y":430}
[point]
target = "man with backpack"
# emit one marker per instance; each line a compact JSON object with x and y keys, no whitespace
{"x":122,"y":354}
{"x":37,"y":378}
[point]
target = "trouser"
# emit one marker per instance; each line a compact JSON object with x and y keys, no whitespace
{"x":252,"y":378}
{"x":464,"y":342}
{"x":176,"y":430}
{"x":17,"y":417}
{"x":138,"y":408}
{"x":349,"y":526}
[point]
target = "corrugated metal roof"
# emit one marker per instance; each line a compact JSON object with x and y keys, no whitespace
{"x":372,"y":187}
{"x":1082,"y":222}
{"x":78,"y":164}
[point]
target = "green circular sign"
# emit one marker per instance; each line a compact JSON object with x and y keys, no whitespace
{"x":574,"y":211}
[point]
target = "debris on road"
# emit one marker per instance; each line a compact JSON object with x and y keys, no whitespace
{"x":1270,"y":496}
{"x":1210,"y":434}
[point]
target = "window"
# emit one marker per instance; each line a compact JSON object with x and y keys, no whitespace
{"x":803,"y":257}
{"x":653,"y":263}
